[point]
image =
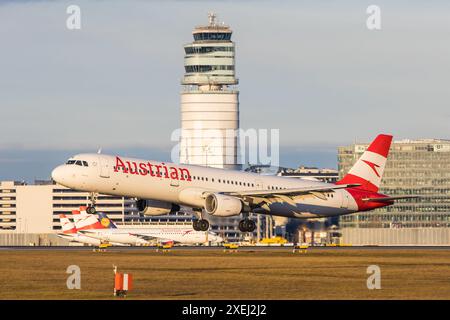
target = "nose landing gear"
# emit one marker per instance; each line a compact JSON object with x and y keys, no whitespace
{"x":247,"y":225}
{"x":91,"y":208}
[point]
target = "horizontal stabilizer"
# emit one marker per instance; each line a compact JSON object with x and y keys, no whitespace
{"x":388,"y":199}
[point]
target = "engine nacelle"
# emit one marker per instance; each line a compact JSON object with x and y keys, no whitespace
{"x":156,"y":207}
{"x":192,"y":197}
{"x":222,"y":205}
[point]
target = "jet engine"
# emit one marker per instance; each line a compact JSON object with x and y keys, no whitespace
{"x":222,"y":205}
{"x":156,"y":207}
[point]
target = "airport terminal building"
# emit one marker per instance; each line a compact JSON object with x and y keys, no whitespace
{"x":414,"y":167}
{"x":31,"y":211}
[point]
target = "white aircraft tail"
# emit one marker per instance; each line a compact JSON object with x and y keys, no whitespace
{"x":368,"y":170}
{"x":67,"y":226}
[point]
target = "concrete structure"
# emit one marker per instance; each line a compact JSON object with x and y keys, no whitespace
{"x":420,"y":167}
{"x":396,"y":237}
{"x":209,"y":103}
{"x":302,"y":172}
{"x":29,"y":213}
{"x":35,"y":208}
{"x":312,"y":173}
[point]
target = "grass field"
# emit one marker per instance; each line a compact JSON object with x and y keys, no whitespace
{"x":213,"y":274}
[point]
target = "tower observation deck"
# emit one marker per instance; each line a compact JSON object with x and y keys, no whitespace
{"x":210,"y":100}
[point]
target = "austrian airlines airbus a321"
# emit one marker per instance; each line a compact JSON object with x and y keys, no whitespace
{"x":163,"y":187}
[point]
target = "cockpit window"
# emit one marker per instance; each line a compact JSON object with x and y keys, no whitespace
{"x":81,"y":163}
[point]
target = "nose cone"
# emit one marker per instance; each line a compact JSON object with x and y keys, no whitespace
{"x":58,"y":174}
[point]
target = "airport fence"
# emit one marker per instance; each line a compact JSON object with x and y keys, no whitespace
{"x":396,"y":237}
{"x":31,"y":239}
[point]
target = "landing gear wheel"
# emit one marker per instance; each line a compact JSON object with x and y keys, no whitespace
{"x":242,"y":226}
{"x":91,"y":210}
{"x":251,"y":225}
{"x":203,"y":225}
{"x":247,"y":225}
{"x":195,"y":225}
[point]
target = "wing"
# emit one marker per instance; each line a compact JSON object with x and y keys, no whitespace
{"x":261,"y":197}
{"x":145,"y":236}
{"x":292,"y":191}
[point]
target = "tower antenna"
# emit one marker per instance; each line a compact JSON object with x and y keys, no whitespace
{"x":212,"y":18}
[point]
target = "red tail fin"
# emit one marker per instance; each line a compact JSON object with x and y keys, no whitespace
{"x":368,"y":170}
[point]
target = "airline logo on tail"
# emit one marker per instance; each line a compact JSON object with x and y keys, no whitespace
{"x":83,"y":221}
{"x":105,"y":221}
{"x":368,"y":170}
{"x":373,"y":166}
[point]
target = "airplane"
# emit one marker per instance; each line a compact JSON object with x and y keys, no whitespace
{"x":161,"y":188}
{"x":70,"y":232}
{"x":96,"y":229}
{"x":135,"y":236}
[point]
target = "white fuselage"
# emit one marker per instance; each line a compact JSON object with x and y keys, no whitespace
{"x":145,"y":236}
{"x":184,"y":184}
{"x":76,"y":237}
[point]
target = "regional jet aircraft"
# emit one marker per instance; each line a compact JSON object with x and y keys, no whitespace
{"x":144,"y":236}
{"x":97,"y":229}
{"x":163,"y":187}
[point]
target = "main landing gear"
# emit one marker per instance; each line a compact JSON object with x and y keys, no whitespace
{"x":200,"y":225}
{"x":247,"y":225}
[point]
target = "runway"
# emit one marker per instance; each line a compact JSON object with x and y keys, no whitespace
{"x":215,"y":248}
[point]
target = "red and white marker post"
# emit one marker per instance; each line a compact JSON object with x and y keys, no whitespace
{"x":123,"y":282}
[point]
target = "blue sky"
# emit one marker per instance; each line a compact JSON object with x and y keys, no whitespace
{"x":311,"y":69}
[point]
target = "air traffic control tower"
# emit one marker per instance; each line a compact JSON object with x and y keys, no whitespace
{"x":209,"y":100}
